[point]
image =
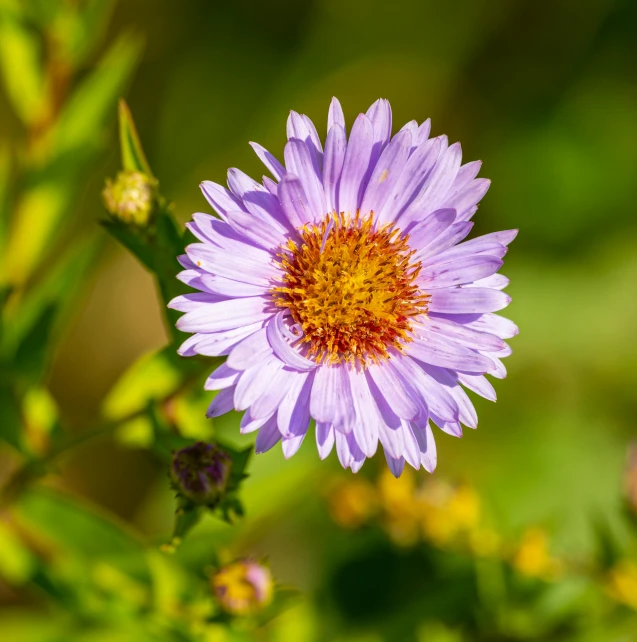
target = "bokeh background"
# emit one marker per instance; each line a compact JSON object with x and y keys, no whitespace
{"x":545,"y":94}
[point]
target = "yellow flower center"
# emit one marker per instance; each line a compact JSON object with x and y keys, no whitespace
{"x":350,"y":286}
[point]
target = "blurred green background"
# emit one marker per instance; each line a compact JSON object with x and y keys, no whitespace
{"x":543,"y":92}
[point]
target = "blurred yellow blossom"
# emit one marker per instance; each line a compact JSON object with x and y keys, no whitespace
{"x":353,"y":503}
{"x":532,"y":556}
{"x":243,"y":587}
{"x":448,"y":511}
{"x":622,"y":583}
{"x":401,"y":507}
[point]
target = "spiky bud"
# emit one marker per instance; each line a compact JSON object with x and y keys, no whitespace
{"x":130,"y":197}
{"x":200,"y":473}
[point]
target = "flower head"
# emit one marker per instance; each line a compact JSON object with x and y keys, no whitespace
{"x":201,"y":472}
{"x":130,"y":196}
{"x":343,"y":291}
{"x":244,"y":587}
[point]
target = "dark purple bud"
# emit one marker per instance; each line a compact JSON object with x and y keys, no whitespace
{"x":200,"y":473}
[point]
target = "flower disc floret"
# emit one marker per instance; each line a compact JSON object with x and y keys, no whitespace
{"x":350,"y":285}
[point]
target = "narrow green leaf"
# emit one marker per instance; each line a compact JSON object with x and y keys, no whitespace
{"x":133,"y":239}
{"x":32,"y":354}
{"x":11,"y":423}
{"x":76,"y":526}
{"x":133,"y":157}
{"x":5,"y":172}
{"x":62,"y":282}
{"x":21,"y":70}
{"x":89,"y":107}
{"x":152,"y":377}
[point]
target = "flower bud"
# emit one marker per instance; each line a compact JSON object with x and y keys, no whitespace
{"x":130,"y":197}
{"x":244,"y":587}
{"x":200,"y":473}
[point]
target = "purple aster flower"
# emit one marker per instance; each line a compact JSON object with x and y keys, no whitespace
{"x":343,"y":291}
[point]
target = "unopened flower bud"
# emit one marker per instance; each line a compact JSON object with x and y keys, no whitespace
{"x":201,"y":472}
{"x":244,"y":587}
{"x":130,"y":196}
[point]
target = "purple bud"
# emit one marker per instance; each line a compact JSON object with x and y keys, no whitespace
{"x":200,"y":473}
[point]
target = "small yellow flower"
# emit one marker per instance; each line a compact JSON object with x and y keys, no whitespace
{"x":448,"y":512}
{"x":532,"y":557}
{"x":401,"y":507}
{"x":353,"y":503}
{"x":244,"y":587}
{"x":622,"y":583}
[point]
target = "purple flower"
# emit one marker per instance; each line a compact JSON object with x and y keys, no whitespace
{"x":343,"y":291}
{"x":200,"y":473}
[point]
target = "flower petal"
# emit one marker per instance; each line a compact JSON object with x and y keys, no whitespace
{"x":221,"y":378}
{"x":276,"y":332}
{"x":462,"y":334}
{"x":367,"y":418}
{"x":397,"y":396}
{"x":324,"y":439}
{"x":385,"y":175}
{"x":355,"y":165}
{"x":268,"y":436}
{"x":335,"y":147}
{"x":425,"y":232}
{"x":250,"y":351}
{"x":294,"y":410}
{"x":298,"y":161}
{"x":468,"y":300}
{"x":225,"y":315}
{"x":335,"y":115}
{"x":254,"y":382}
{"x":270,"y":161}
{"x":465,"y":270}
{"x":294,"y":201}
{"x":379,"y":115}
{"x":222,"y":403}
{"x":221,"y":199}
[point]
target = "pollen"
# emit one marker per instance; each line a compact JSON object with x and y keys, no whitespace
{"x":350,"y":285}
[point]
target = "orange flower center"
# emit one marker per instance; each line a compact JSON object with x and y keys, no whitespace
{"x":350,"y":286}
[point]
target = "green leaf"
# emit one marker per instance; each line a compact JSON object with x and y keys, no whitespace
{"x":133,"y":239}
{"x":16,"y":561}
{"x":608,"y":548}
{"x":133,"y":157}
{"x":76,"y":527}
{"x":11,"y":422}
{"x":152,"y":377}
{"x":5,"y":173}
{"x":35,"y":223}
{"x":87,"y":111}
{"x":62,"y":283}
{"x":32,"y":354}
{"x":21,"y":70}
